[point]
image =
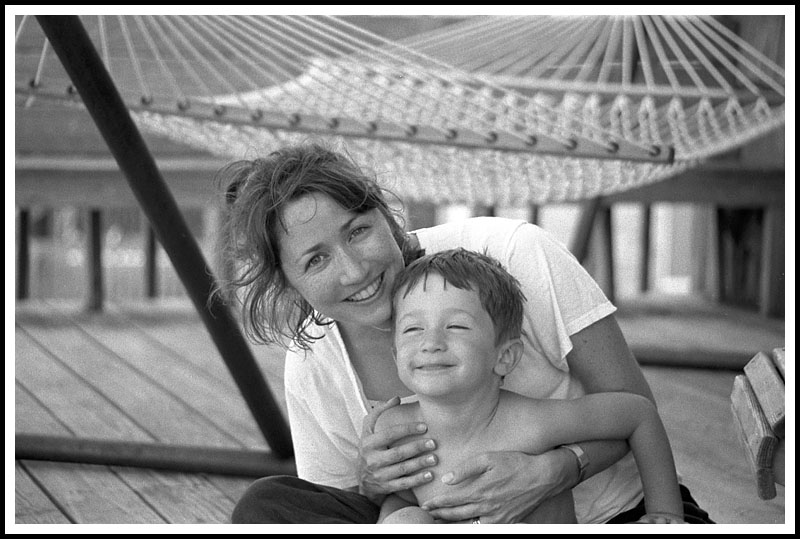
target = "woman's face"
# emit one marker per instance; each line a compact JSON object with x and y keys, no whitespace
{"x":343,"y":263}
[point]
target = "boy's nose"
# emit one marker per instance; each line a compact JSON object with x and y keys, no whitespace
{"x":433,"y":341}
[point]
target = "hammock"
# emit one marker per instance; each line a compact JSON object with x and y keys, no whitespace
{"x":504,"y":111}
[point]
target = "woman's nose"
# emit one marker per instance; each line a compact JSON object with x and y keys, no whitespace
{"x":353,"y":269}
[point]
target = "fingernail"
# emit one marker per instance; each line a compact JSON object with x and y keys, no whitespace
{"x":446,"y":478}
{"x":427,"y":476}
{"x":422,"y":427}
{"x":430,"y":444}
{"x":431,"y":460}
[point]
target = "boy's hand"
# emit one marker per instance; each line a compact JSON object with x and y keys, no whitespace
{"x":660,"y":518}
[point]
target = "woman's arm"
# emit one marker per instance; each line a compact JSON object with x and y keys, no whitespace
{"x":601,"y":360}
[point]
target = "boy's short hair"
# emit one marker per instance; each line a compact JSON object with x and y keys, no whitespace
{"x":499,"y":292}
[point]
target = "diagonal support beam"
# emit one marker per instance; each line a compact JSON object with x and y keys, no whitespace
{"x":90,"y":78}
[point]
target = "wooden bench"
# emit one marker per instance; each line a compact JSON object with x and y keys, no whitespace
{"x":758,"y":404}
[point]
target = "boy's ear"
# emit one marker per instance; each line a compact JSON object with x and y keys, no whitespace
{"x":508,"y":355}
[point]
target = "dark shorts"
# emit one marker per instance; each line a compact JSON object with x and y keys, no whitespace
{"x":692,"y":513}
{"x":289,"y":500}
{"x":284,"y":499}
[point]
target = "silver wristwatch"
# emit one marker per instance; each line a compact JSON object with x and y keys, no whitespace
{"x":583,"y":460}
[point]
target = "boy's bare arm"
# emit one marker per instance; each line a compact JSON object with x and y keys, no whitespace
{"x":395,"y":502}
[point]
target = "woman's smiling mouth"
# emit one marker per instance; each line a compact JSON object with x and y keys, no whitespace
{"x":367,"y":293}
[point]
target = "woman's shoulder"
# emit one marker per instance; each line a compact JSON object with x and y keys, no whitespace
{"x":323,"y":352}
{"x":482,"y":223}
{"x":474,"y":233}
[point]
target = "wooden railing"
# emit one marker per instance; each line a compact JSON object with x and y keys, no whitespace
{"x":97,"y":185}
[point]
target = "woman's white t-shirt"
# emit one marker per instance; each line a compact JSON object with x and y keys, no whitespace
{"x":327,"y":405}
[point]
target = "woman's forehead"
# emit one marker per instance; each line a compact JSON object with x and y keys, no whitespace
{"x":311,"y":209}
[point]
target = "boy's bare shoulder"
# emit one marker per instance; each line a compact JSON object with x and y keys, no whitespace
{"x":397,"y":415}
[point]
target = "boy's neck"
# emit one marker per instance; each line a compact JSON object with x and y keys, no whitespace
{"x":460,"y":418}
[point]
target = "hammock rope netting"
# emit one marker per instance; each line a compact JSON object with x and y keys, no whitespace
{"x":504,"y":111}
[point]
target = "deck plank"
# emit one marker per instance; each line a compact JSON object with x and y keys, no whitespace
{"x":177,"y":326}
{"x":165,"y":417}
{"x":183,"y":498}
{"x":74,"y":407}
{"x":93,"y":494}
{"x":75,"y":404}
{"x":215,"y":401}
{"x":31,"y":504}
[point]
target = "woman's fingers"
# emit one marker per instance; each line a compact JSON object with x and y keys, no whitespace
{"x":455,"y":506}
{"x":465,"y":471}
{"x":462,"y":513}
{"x":406,"y":466}
{"x":409,"y":481}
{"x":388,"y":437}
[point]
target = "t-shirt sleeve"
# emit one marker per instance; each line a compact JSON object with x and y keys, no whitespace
{"x":319,"y":454}
{"x":562,"y":298}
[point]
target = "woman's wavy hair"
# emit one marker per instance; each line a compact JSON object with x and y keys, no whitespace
{"x":499,"y":292}
{"x":256,"y":192}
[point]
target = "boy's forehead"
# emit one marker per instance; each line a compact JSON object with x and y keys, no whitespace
{"x":431,"y":281}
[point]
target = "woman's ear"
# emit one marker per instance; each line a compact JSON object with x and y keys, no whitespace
{"x":508,"y":355}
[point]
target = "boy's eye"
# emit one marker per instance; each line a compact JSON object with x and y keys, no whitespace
{"x":411,"y":329}
{"x":457,"y":326}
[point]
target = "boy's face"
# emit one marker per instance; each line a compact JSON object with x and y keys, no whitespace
{"x":444,"y":339}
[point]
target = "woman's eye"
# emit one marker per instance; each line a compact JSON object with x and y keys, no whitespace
{"x":313,"y":261}
{"x":457,"y":326}
{"x":411,"y":330}
{"x":358,"y":231}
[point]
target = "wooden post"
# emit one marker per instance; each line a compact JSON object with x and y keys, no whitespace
{"x":608,"y":241}
{"x":533,"y":214}
{"x":23,"y":254}
{"x":483,"y":211}
{"x":92,"y":81}
{"x":151,"y":263}
{"x":772,"y":293}
{"x":95,"y":261}
{"x":644,"y":268}
{"x":583,"y":231}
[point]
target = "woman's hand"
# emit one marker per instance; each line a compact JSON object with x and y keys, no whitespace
{"x":503,"y":487}
{"x":383,"y":469}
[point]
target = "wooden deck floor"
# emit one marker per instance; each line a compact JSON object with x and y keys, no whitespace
{"x":150,"y":372}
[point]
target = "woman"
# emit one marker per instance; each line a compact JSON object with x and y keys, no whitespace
{"x":319,"y":247}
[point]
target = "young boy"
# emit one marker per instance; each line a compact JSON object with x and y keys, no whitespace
{"x":458,"y":323}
